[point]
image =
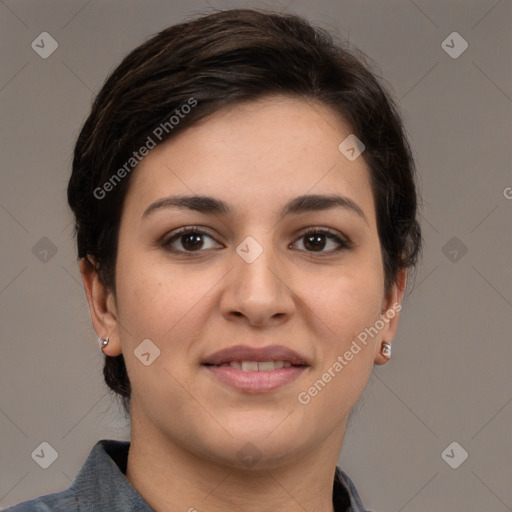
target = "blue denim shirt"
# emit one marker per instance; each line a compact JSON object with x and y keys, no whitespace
{"x":101,"y":486}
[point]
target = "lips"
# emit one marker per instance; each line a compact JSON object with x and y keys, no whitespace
{"x":255,"y":370}
{"x":243,"y":354}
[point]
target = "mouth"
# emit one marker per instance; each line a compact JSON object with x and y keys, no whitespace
{"x":255,"y":370}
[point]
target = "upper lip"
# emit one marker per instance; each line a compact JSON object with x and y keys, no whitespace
{"x":245,"y":353}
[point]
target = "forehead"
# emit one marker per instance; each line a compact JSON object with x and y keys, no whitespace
{"x":256,"y":154}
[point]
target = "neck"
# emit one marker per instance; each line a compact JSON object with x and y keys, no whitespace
{"x":171,"y":478}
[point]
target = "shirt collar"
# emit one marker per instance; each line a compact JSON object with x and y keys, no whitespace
{"x":102,"y":482}
{"x":344,"y":494}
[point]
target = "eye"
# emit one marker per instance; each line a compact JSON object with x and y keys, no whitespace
{"x":321,"y":241}
{"x":193,"y":239}
{"x":190,"y":239}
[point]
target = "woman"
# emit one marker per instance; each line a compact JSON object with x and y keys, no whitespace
{"x":246,"y":215}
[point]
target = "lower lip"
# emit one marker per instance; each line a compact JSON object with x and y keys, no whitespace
{"x":256,"y":382}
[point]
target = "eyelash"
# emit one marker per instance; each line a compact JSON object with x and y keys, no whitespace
{"x":343,"y":244}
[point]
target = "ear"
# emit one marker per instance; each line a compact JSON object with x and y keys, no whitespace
{"x":390,"y":314}
{"x":102,"y":305}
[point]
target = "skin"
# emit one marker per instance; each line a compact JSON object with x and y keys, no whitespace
{"x":187,"y":427}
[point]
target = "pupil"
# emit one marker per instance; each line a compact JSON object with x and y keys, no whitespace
{"x":315,"y":242}
{"x":192,"y":241}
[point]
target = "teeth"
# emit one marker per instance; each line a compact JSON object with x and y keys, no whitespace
{"x":266,"y":366}
{"x":249,"y":366}
{"x":255,"y":366}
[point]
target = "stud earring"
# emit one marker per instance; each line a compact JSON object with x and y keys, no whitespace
{"x":386,"y":350}
{"x":103,"y":342}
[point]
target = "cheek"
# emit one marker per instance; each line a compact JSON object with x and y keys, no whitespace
{"x":349,"y":297}
{"x":159,"y":301}
{"x":149,"y":303}
{"x":347,"y":302}
{"x":348,"y":306}
{"x":155,"y":304}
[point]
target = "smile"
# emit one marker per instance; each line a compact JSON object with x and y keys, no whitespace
{"x":253,"y":369}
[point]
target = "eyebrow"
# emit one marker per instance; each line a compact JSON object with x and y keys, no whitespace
{"x":301,"y":204}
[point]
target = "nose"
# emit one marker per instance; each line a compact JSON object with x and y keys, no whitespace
{"x":257,"y":293}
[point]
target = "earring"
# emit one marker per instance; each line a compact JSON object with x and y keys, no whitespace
{"x":103,"y":342}
{"x":386,"y":350}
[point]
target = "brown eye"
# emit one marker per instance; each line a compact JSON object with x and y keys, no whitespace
{"x":189,"y":240}
{"x":315,"y":242}
{"x":321,"y":241}
{"x":192,"y":241}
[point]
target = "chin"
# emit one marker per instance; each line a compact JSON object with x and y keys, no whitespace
{"x":255,"y":455}
{"x":258,"y":442}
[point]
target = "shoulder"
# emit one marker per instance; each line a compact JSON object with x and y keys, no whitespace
{"x":64,"y":501}
{"x":99,"y":485}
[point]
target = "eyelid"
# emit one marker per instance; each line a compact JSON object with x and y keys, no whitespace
{"x":343,"y":242}
{"x":168,"y":238}
{"x":322,"y":229}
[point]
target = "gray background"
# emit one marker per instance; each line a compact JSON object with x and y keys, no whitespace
{"x":449,"y":378}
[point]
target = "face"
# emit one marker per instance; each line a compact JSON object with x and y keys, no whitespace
{"x":249,"y":256}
